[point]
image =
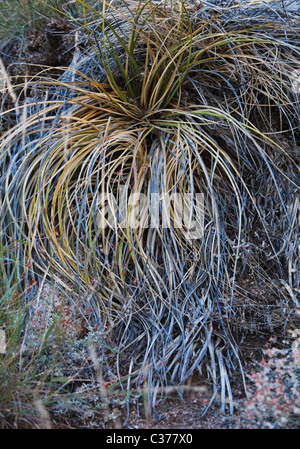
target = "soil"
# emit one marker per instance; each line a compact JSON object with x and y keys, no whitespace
{"x":187,"y":414}
{"x":50,"y":47}
{"x":188,"y":411}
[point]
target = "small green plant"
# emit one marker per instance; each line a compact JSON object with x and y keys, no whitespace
{"x":17,"y":16}
{"x":21,"y":376}
{"x":33,"y":373}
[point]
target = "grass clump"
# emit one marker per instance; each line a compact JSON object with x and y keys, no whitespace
{"x":170,"y":101}
{"x":18,"y":16}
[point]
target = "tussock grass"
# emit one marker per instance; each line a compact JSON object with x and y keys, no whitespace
{"x":171,"y":100}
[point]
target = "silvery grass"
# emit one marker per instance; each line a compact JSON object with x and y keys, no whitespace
{"x":169,"y":100}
